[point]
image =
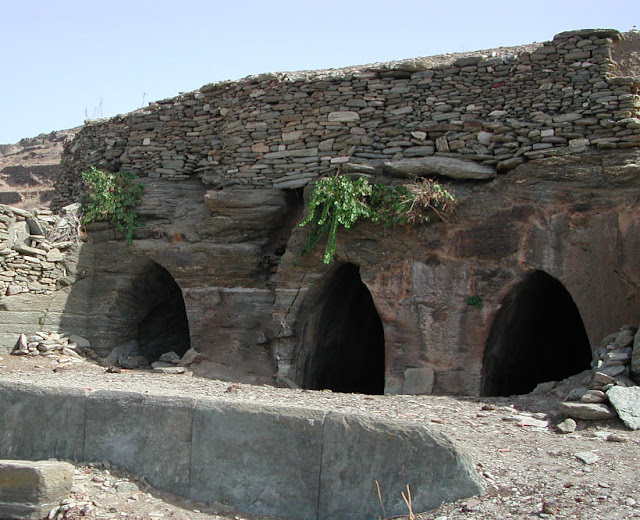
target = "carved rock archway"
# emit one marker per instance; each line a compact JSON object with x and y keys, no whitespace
{"x":151,"y":313}
{"x":537,"y":336}
{"x":342,"y":348}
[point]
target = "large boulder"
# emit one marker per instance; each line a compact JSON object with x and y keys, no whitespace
{"x":626,"y":401}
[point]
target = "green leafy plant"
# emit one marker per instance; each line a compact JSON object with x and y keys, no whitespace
{"x":475,"y":301}
{"x":340,"y":200}
{"x":336,"y":200}
{"x":112,"y":197}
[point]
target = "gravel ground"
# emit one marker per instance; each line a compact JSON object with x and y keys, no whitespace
{"x":530,"y":469}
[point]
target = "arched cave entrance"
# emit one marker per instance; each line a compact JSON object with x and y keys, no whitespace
{"x":537,"y":336}
{"x":347,"y":345}
{"x":156,"y":315}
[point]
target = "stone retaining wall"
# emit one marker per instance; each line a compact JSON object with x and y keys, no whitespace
{"x":284,"y":130}
{"x":290,"y":462}
{"x":31,"y":245}
{"x":38,"y":260}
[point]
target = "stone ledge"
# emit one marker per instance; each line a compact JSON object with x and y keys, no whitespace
{"x":234,"y":453}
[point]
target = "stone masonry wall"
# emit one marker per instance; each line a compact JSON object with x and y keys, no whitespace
{"x":32,"y":246}
{"x":283,"y":130}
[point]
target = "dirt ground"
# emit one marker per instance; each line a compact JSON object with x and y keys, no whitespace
{"x":530,"y":469}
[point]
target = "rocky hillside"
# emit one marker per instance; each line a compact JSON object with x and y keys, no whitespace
{"x":28,"y":169}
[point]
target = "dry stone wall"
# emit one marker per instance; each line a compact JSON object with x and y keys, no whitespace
{"x":38,"y":261}
{"x":499,"y":108}
{"x":31,"y":250}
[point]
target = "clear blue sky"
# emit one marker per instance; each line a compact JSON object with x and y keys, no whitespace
{"x":64,"y":60}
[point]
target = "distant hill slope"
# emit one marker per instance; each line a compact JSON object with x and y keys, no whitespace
{"x":28,"y":169}
{"x":627,"y":54}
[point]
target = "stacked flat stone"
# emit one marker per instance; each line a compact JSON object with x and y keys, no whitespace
{"x":612,"y":359}
{"x":612,"y":366}
{"x":65,"y":348}
{"x":609,"y":388}
{"x":284,"y":130}
{"x":31,"y":258}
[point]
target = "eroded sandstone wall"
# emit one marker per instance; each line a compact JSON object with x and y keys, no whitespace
{"x":572,"y":217}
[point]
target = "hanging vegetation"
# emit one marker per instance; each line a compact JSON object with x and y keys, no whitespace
{"x":339,"y":200}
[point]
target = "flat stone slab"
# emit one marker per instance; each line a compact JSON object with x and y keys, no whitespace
{"x":29,"y":490}
{"x":41,"y":423}
{"x":588,"y":411}
{"x":445,"y":166}
{"x":626,"y":401}
{"x":147,"y":435}
{"x":263,"y":460}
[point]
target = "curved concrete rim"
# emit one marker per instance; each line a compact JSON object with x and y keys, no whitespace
{"x":268,"y":460}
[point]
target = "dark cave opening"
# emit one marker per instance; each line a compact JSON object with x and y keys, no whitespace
{"x":537,"y":336}
{"x":348,"y":348}
{"x":162,"y":324}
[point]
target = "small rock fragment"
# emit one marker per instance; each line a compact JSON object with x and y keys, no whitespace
{"x":127,"y":488}
{"x":191,"y":357}
{"x":588,"y":457}
{"x":593,"y":396}
{"x":169,"y":370}
{"x":550,"y":507}
{"x":170,"y":357}
{"x":567,"y":426}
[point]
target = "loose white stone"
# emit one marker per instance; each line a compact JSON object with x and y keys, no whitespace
{"x":588,"y":457}
{"x":484,"y":137}
{"x":343,"y":116}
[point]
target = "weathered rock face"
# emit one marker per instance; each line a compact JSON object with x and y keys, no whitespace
{"x":534,"y":220}
{"x":225,"y":170}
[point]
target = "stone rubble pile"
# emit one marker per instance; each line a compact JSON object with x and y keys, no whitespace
{"x":93,"y":494}
{"x":32,"y":246}
{"x":70,"y":349}
{"x":64,"y":348}
{"x":283,"y":130}
{"x":128,"y":356}
{"x":613,"y":360}
{"x":611,"y":381}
